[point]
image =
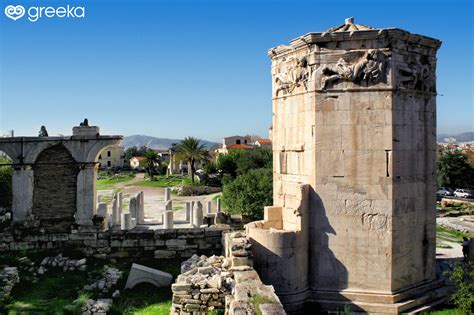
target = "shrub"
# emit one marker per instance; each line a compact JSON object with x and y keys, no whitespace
{"x":249,"y":193}
{"x":462,"y":276}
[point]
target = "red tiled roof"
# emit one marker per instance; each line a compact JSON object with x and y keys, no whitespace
{"x":239,"y":146}
{"x":261,"y":141}
{"x":139,"y":158}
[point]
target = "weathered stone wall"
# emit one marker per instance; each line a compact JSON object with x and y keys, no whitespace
{"x":172,"y":243}
{"x":55,"y":185}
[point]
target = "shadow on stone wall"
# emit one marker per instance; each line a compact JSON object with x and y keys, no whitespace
{"x":326,"y":271}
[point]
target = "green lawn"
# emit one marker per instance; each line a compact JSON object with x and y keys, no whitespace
{"x":107,"y":183}
{"x":163,"y":182}
{"x":57,"y":290}
{"x":49,"y":295}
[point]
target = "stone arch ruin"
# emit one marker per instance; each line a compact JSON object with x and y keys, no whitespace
{"x":53,"y":180}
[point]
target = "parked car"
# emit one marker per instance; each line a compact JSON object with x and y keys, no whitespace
{"x":443,"y":191}
{"x":464,"y":193}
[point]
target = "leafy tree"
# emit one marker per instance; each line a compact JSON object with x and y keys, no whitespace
{"x":135,"y":151}
{"x":454,"y":170}
{"x":191,"y":150}
{"x":249,"y":193}
{"x":238,"y":162}
{"x":5,"y":183}
{"x":152,"y":160}
{"x":210,"y":167}
{"x":253,"y":159}
{"x":227,"y":163}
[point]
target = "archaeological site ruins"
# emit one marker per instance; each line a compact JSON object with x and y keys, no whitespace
{"x":353,"y":217}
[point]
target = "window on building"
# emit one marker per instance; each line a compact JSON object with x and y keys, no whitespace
{"x":237,"y":141}
{"x":100,"y":157}
{"x":109,"y":153}
{"x":109,"y":164}
{"x":245,"y":141}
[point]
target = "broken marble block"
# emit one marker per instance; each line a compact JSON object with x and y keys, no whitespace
{"x":139,"y":274}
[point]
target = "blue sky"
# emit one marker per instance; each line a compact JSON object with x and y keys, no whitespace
{"x":177,"y":68}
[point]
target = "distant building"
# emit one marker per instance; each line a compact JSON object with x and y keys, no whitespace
{"x":243,"y":143}
{"x":226,"y":142}
{"x":136,"y":161}
{"x":112,"y":157}
{"x":263,"y":143}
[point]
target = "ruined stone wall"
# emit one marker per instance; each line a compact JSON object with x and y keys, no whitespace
{"x":171,"y":243}
{"x":55,"y":186}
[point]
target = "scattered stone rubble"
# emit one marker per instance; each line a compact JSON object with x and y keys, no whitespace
{"x":202,"y":285}
{"x":8,"y":278}
{"x":96,"y":307}
{"x":106,"y":282}
{"x":104,"y":285}
{"x":223,"y":282}
{"x":65,"y":263}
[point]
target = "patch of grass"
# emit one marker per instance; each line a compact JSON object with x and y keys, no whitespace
{"x":163,"y":182}
{"x":49,"y":295}
{"x":107,"y":183}
{"x":258,"y":299}
{"x":450,"y":234}
{"x":143,"y":299}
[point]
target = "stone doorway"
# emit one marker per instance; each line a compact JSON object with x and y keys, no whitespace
{"x":55,"y":189}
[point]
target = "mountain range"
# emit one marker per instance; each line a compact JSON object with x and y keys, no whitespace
{"x":462,"y":137}
{"x":156,"y":143}
{"x":166,"y":143}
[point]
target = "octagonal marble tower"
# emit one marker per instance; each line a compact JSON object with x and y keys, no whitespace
{"x":354,"y":147}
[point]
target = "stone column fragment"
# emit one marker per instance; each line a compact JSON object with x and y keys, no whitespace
{"x":133,"y":207}
{"x":126,"y":222}
{"x":168,"y":219}
{"x":188,"y":212}
{"x":167,"y":194}
{"x":197,"y":215}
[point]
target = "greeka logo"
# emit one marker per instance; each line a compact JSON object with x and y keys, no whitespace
{"x":16,"y":12}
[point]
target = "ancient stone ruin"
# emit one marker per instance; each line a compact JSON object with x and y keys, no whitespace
{"x":354,"y":125}
{"x":54,"y":178}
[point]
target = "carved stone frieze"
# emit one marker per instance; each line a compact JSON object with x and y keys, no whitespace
{"x":418,"y":75}
{"x":369,"y":68}
{"x":290,"y":74}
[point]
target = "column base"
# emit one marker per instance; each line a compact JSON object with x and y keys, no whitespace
{"x":411,"y":300}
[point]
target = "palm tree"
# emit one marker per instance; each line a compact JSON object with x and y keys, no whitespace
{"x":152,"y":159}
{"x":191,"y":151}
